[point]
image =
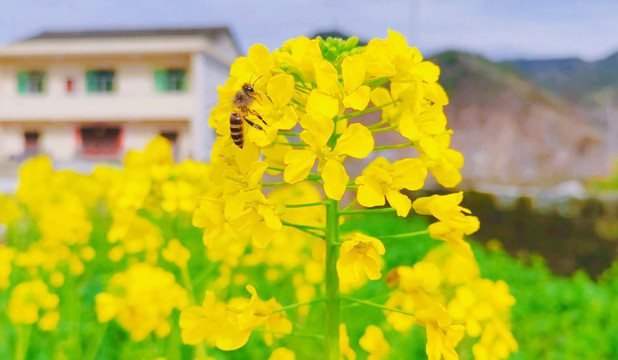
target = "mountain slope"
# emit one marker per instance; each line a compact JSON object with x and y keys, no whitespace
{"x":586,"y":83}
{"x":512,"y":130}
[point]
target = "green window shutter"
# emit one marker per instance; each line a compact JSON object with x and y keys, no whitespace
{"x":43,"y":83}
{"x":160,"y":80}
{"x":91,"y":82}
{"x":22,"y":82}
{"x":183,"y":82}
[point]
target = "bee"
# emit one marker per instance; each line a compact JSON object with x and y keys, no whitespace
{"x":237,"y":127}
{"x":243,"y":98}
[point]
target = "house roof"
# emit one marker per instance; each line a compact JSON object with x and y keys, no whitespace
{"x":209,"y":32}
{"x":127,"y":42}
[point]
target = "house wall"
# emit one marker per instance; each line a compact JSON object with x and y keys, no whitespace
{"x":134,"y":96}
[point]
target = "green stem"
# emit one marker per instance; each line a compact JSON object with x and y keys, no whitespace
{"x":97,"y":340}
{"x":23,"y":341}
{"x":273,"y":184}
{"x":363,"y":112}
{"x":289,"y":133}
{"x":331,"y":338}
{"x":275,"y":168}
{"x":294,"y":306}
{"x":289,"y":143}
{"x":377,"y":82}
{"x":396,"y":236}
{"x":367,"y":211}
{"x":389,"y":147}
{"x":369,"y":303}
{"x":351,"y":204}
{"x":384,"y":129}
{"x":186,"y":279}
{"x":306,"y":205}
{"x":306,"y":227}
{"x":293,"y":334}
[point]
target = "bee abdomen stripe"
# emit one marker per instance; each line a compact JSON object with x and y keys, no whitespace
{"x":235,"y":128}
{"x":236,"y":137}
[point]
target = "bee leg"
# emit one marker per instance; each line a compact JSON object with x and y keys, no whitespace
{"x":253,"y":124}
{"x":257,"y":115}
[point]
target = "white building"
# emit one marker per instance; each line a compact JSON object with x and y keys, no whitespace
{"x":94,"y":95}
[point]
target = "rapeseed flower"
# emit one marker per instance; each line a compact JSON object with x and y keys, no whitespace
{"x":31,"y":302}
{"x":141,"y":299}
{"x":360,"y":257}
{"x":453,"y":224}
{"x":374,"y":343}
{"x":381,"y":179}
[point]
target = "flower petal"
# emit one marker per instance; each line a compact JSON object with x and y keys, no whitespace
{"x":335,"y":179}
{"x":358,"y":99}
{"x":353,"y":72}
{"x":280,"y":89}
{"x":399,"y":202}
{"x":299,"y":164}
{"x":327,"y":78}
{"x":369,"y":192}
{"x":356,"y":141}
{"x":322,"y":103}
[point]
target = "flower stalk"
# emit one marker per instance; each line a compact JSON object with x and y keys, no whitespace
{"x":331,"y":340}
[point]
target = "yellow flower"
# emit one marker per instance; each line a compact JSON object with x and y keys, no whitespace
{"x":199,"y":323}
{"x":374,"y":343}
{"x":228,"y":327}
{"x":453,"y":224}
{"x":282,"y":354}
{"x":141,"y":299}
{"x":277,"y":324}
{"x":49,"y":321}
{"x":9,"y":210}
{"x":496,"y":343}
{"x":176,"y":253}
{"x":178,"y":195}
{"x":442,"y":334}
{"x":356,"y":141}
{"x":344,"y":344}
{"x":253,"y":209}
{"x":447,"y":162}
{"x":6,"y":257}
{"x":300,"y":54}
{"x":209,"y":215}
{"x":359,"y":257}
{"x":28,"y":299}
{"x":381,"y":180}
{"x":136,"y":234}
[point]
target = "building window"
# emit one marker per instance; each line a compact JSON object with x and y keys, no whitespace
{"x":69,"y":85}
{"x":98,"y":81}
{"x":170,"y":80}
{"x":30,"y":82}
{"x":100,"y":140}
{"x":31,"y":141}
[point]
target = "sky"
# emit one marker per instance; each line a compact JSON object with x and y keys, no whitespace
{"x":497,"y":29}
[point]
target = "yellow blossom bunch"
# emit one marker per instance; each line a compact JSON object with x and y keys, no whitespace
{"x":141,"y":300}
{"x":290,"y":121}
{"x":31,"y":302}
{"x":166,"y":252}
{"x":228,"y":326}
{"x":449,"y":297}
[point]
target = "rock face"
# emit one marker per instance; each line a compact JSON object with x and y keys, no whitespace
{"x":512,"y":131}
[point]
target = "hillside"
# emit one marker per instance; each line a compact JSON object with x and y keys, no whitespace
{"x":587,"y":83}
{"x":513,"y":131}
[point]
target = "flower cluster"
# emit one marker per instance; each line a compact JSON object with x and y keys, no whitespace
{"x":164,"y":249}
{"x":448,"y":296}
{"x":141,"y":300}
{"x":228,"y":326}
